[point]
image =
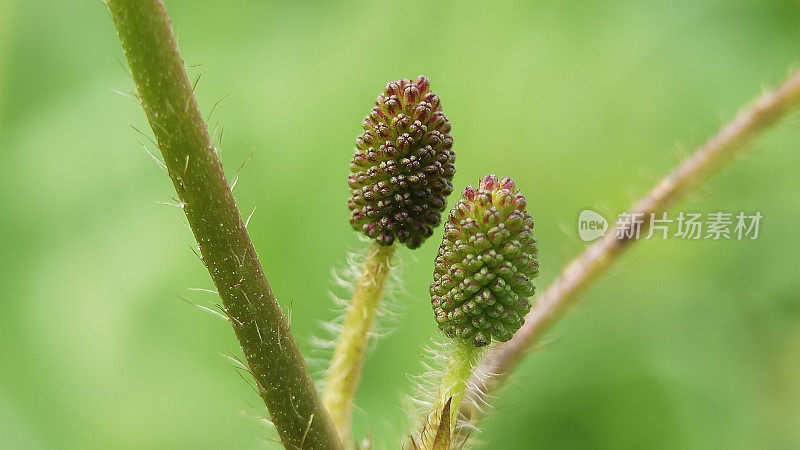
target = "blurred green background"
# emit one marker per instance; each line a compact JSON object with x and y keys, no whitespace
{"x":685,"y":344}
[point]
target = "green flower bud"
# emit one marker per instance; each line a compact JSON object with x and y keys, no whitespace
{"x":484,"y":271}
{"x":403,"y":166}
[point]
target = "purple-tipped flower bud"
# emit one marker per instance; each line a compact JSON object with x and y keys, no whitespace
{"x":484,"y":271}
{"x":403,"y":166}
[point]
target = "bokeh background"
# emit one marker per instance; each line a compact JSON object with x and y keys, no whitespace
{"x":685,"y":344}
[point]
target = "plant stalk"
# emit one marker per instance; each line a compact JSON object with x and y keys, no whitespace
{"x":586,"y":268}
{"x":462,"y":358}
{"x":347,"y":362}
{"x":272,"y":354}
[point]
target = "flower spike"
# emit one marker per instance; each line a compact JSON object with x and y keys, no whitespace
{"x":484,"y":271}
{"x":403,"y":165}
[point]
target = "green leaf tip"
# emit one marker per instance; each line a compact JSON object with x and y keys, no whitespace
{"x":403,"y":165}
{"x":484,"y":270}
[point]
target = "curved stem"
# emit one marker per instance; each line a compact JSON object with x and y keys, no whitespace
{"x":272,"y":354}
{"x":583,"y":270}
{"x":461,"y":360}
{"x":351,"y":347}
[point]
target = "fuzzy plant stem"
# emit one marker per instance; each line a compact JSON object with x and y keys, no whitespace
{"x":344,"y":373}
{"x":462,"y":357}
{"x":583,"y":270}
{"x":272,"y":353}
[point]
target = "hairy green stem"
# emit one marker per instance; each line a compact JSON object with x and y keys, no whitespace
{"x":462,"y":358}
{"x":272,"y":353}
{"x":344,"y":373}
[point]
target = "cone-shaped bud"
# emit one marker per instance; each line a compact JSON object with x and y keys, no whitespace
{"x":403,"y":166}
{"x":484,"y":271}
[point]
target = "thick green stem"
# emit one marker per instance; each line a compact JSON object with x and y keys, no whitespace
{"x":462,"y":359}
{"x":351,"y":346}
{"x":257,"y":319}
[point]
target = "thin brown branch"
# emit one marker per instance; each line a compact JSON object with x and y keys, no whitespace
{"x":584,"y":269}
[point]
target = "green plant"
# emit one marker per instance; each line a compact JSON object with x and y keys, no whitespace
{"x":401,"y":175}
{"x":382,"y":210}
{"x":482,"y":284}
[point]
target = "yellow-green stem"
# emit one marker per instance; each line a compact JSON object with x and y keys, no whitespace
{"x":462,"y":359}
{"x":351,"y":346}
